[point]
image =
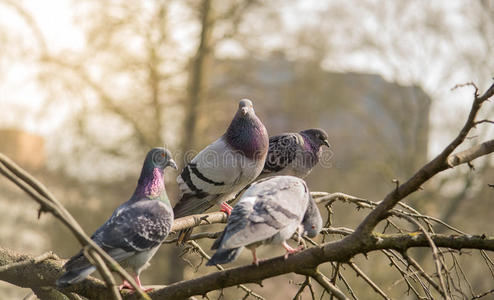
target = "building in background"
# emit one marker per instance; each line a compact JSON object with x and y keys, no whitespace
{"x":378,"y":129}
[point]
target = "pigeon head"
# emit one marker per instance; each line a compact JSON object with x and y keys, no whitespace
{"x":246,"y":132}
{"x":159,"y":158}
{"x":151,"y":183}
{"x":245,"y":106}
{"x":312,"y":221}
{"x":317,"y":136}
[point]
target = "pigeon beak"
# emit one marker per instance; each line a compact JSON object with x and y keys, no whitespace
{"x":326,"y":142}
{"x":172,"y":164}
{"x":245,"y":110}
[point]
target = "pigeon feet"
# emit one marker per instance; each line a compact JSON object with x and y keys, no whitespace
{"x":290,"y":250}
{"x":255,"y":260}
{"x":127,"y":285}
{"x":225,"y":207}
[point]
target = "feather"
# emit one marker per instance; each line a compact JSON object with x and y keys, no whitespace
{"x":294,"y":153}
{"x":269,"y":211}
{"x":136,"y":228}
{"x":222,"y":169}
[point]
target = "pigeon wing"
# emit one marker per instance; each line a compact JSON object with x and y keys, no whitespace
{"x":237,"y":221}
{"x":277,"y":203}
{"x":137,"y":227}
{"x":132,"y":228}
{"x":215,"y":171}
{"x":282,"y":151}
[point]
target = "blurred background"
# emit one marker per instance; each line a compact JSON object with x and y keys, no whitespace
{"x":88,"y":86}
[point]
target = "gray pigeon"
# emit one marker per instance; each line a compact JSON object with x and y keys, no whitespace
{"x":294,"y":153}
{"x":312,"y":222}
{"x":269,"y":212}
{"x":137,"y":227}
{"x":225,"y":167}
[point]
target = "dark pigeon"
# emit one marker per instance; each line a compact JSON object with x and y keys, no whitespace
{"x":136,"y":229}
{"x":294,"y":153}
{"x":269,"y":212}
{"x":225,"y":167}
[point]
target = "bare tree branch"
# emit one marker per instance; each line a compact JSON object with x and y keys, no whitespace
{"x":197,"y":220}
{"x":32,"y":274}
{"x":471,"y":154}
{"x":341,"y":251}
{"x":44,"y":273}
{"x":438,"y":164}
{"x":435,"y":256}
{"x":50,"y":204}
{"x":360,"y":241}
{"x":368,"y":280}
{"x":422,"y":273}
{"x":327,"y":285}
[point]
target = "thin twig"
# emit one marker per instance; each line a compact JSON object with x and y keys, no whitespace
{"x":458,"y":266}
{"x":403,"y":273}
{"x":104,"y":271}
{"x":422,"y":273}
{"x":374,"y":286}
{"x":327,"y":285}
{"x":347,"y":285}
{"x":220,"y":267}
{"x":198,"y":236}
{"x":298,"y":295}
{"x":483,"y":294}
{"x":435,"y":255}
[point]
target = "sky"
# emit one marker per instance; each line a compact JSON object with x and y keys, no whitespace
{"x":20,"y":91}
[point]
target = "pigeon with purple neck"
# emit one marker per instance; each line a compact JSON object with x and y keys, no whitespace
{"x":136,"y":229}
{"x":294,"y":154}
{"x":222,"y":169}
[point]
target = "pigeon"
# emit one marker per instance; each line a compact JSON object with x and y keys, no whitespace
{"x":270,"y":211}
{"x":294,"y":153}
{"x":312,"y":221}
{"x":136,"y":229}
{"x":222,"y":169}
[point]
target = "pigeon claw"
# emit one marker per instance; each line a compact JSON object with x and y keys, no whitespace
{"x":290,"y":250}
{"x":257,"y":261}
{"x":125,"y":285}
{"x":225,"y":207}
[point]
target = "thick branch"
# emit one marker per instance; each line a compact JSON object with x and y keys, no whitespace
{"x":37,"y":274}
{"x":341,"y":251}
{"x":471,"y":154}
{"x":197,"y":220}
{"x":438,"y":164}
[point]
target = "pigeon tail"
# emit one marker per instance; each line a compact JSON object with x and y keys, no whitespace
{"x":74,"y":276}
{"x":191,"y":204}
{"x":183,"y":236}
{"x":223,"y":256}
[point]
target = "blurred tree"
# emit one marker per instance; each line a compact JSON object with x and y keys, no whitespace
{"x":144,"y":69}
{"x":129,"y":81}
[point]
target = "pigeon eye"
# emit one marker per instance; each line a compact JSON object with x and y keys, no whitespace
{"x":313,"y":227}
{"x":163,"y":154}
